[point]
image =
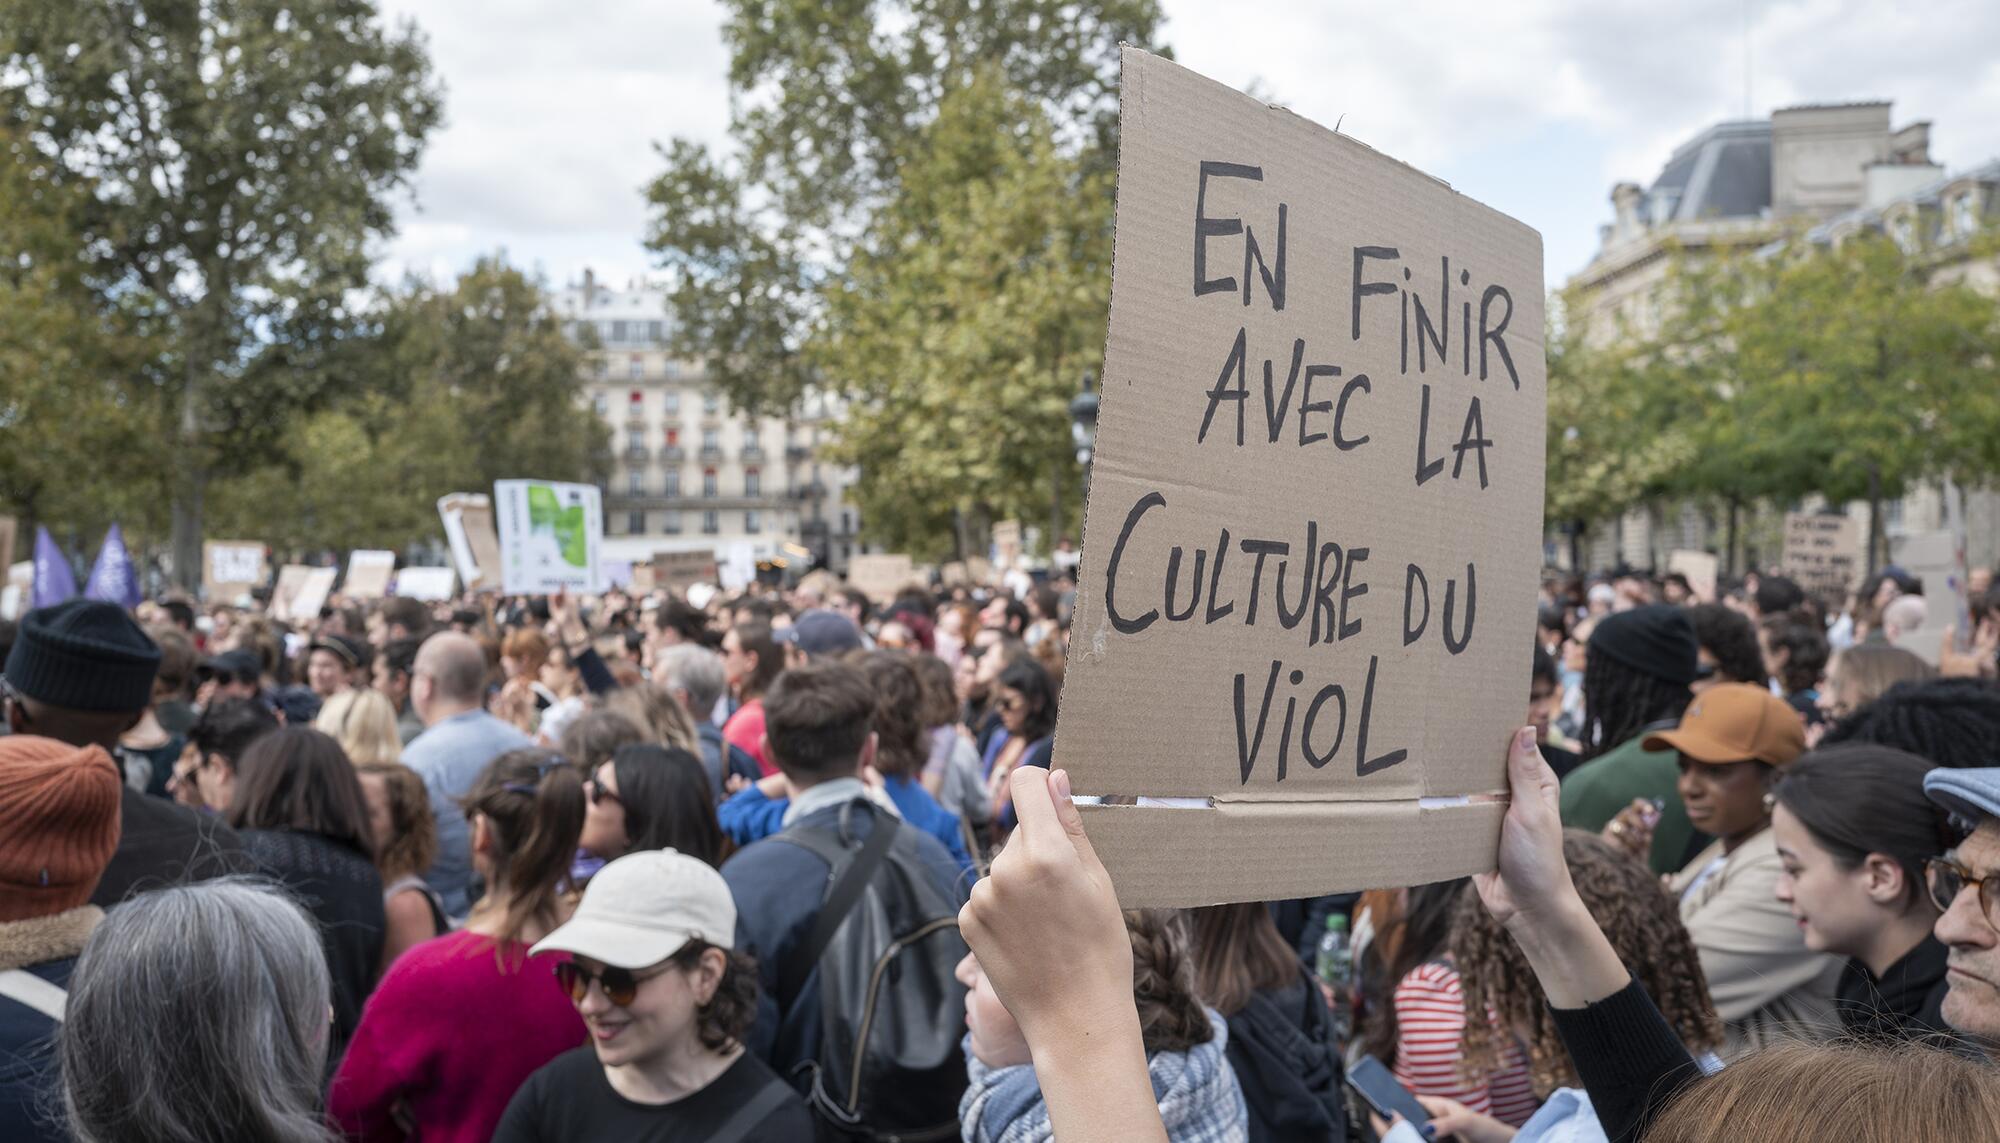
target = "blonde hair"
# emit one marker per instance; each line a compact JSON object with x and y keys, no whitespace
{"x":363,"y":721}
{"x":657,"y":713}
{"x":1792,"y":1092}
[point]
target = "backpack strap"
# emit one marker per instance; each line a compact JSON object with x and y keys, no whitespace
{"x":752,"y":1111}
{"x":841,"y":897}
{"x":27,"y":988}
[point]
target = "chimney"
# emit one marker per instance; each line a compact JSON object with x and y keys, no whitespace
{"x":589,"y":287}
{"x":1625,"y":202}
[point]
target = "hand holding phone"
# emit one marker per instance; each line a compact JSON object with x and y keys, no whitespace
{"x":1379,"y":1089}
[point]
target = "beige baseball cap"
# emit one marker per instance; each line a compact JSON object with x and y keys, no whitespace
{"x":642,"y":908}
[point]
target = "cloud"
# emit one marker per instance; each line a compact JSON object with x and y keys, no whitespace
{"x":1536,"y":106}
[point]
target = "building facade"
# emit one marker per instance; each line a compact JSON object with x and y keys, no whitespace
{"x":688,"y":472}
{"x":1738,"y":187}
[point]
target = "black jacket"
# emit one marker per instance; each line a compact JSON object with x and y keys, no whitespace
{"x":1287,"y":1061}
{"x":161,"y":844}
{"x":1906,"y":1004}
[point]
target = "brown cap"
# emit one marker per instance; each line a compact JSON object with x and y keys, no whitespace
{"x":60,"y":805}
{"x":1736,"y":722}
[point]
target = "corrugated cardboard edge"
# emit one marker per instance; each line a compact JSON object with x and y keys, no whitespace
{"x":1286,"y":850}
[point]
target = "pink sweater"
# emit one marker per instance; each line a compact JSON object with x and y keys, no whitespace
{"x":446,"y":1040}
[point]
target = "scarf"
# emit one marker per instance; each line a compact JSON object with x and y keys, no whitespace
{"x":1196,"y":1090}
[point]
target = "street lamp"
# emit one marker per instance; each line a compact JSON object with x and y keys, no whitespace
{"x":1083,"y":424}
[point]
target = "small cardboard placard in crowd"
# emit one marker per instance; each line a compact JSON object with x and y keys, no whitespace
{"x":301,"y":591}
{"x":550,"y":533}
{"x":368,"y":574}
{"x":475,"y":545}
{"x":1007,"y":543}
{"x":1822,"y":554}
{"x":230,"y":568}
{"x":880,"y":577}
{"x":1314,"y":524}
{"x":429,"y":584}
{"x":1701,"y":570}
{"x":678,"y":571}
{"x":9,"y":528}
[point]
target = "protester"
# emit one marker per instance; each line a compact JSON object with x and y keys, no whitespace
{"x":524,"y":696}
{"x":299,"y":809}
{"x":364,"y":723}
{"x":335,"y":663}
{"x":655,"y":710}
{"x":405,"y":833}
{"x":952,"y":770}
{"x":817,"y":726}
{"x":205,"y":777}
{"x":1727,"y":647}
{"x":1283,"y":1045}
{"x":149,"y":750}
{"x":412,"y":1068}
{"x":590,"y":741}
{"x":1025,"y":699}
{"x":458,"y":742}
{"x":1196,"y":1094}
{"x":819,"y":637}
{"x":59,"y":804}
{"x":1853,"y":830}
{"x":1544,"y":692}
{"x":228,"y":675}
{"x":82,"y":673}
{"x":1858,"y":676}
{"x":1949,"y":722}
{"x":751,"y":660}
{"x":693,"y":674}
{"x":668,"y":1002}
{"x":394,"y":668}
{"x":150,"y":1054}
{"x":903,"y":747}
{"x":1795,"y":655}
{"x":1903,"y":617}
{"x":648,"y":797}
{"x":1808,"y":1092}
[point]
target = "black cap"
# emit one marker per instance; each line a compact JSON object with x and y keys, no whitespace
{"x":1658,"y":640}
{"x":84,"y":655}
{"x":352,"y":652}
{"x":240,"y":665}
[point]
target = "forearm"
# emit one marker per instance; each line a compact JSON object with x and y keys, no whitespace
{"x":1570,"y":955}
{"x":1095,"y":1082}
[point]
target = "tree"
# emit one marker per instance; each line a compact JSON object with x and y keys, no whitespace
{"x":459,"y":388}
{"x":239,"y":154}
{"x":965,"y":321}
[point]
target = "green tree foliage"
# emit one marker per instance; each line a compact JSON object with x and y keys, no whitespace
{"x":1616,"y":434}
{"x":459,"y":388}
{"x":239,"y":155}
{"x":838,"y":248}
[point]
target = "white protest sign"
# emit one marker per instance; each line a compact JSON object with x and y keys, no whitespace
{"x":550,"y":533}
{"x":739,"y":566}
{"x":1313,"y":533}
{"x":231,"y":568}
{"x":368,"y":574}
{"x":1701,"y":570}
{"x":429,"y":584}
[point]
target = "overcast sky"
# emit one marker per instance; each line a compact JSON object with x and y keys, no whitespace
{"x":1533,"y":106}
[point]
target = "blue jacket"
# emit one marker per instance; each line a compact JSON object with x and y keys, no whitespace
{"x":778,"y":889}
{"x":749,"y":816}
{"x":30,"y":1079}
{"x":714,"y":751}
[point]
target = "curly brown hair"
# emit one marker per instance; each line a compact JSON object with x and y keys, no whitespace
{"x":1171,"y":1018}
{"x":728,"y":1014}
{"x":1644,"y":925}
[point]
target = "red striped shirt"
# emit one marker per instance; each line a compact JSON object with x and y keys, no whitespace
{"x":1430,"y":1049}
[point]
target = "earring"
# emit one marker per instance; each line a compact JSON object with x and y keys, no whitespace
{"x":1770,"y":802}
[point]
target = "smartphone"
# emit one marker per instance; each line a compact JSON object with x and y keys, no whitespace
{"x":1377,"y":1087}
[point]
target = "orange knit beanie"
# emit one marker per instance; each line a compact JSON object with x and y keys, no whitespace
{"x":58,"y":824}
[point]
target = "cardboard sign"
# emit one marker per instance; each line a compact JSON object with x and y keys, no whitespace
{"x":881,"y":577}
{"x":1822,"y":554}
{"x":9,"y":528}
{"x":230,"y":568}
{"x":428,"y":584}
{"x":475,"y":545}
{"x":368,"y":574}
{"x":1700,"y":568}
{"x":301,"y":591}
{"x":1007,"y":543}
{"x":550,"y":533}
{"x":678,"y":571}
{"x":1313,"y":531}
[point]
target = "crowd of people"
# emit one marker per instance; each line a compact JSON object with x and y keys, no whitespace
{"x":794,"y":865}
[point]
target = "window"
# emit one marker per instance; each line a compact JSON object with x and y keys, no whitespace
{"x":635,"y":483}
{"x":711,"y":522}
{"x":655,"y":331}
{"x":673,"y":438}
{"x":618,"y":331}
{"x":603,"y":369}
{"x":635,"y":438}
{"x":637,"y":397}
{"x":708,"y":483}
{"x":673,"y":396}
{"x":711,"y":403}
{"x":673,"y":482}
{"x":673,"y":370}
{"x":636,"y":524}
{"x":752,"y":524}
{"x":638,"y":366}
{"x":753,"y":484}
{"x":672,"y":520}
{"x":711,"y":438}
{"x":601,"y":403}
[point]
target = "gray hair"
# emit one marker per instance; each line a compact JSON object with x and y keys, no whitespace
{"x":456,"y":665}
{"x":198,"y":1012}
{"x":696,"y":670}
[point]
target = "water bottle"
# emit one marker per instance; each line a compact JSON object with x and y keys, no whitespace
{"x":1335,"y":968}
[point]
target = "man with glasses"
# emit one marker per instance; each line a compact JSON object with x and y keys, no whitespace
{"x":1965,"y":884}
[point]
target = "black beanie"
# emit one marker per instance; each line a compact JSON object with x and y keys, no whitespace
{"x":1657,"y":640}
{"x":84,"y":655}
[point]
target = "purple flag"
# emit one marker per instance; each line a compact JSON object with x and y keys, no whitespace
{"x":112,"y":578}
{"x":55,"y":580}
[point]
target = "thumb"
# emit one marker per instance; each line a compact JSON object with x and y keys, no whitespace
{"x":1070,"y":817}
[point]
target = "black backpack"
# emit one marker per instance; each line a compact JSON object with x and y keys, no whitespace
{"x":889,"y":1066}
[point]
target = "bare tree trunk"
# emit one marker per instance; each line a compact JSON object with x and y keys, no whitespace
{"x":1874,"y":515}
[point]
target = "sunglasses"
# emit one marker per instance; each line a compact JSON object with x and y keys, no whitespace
{"x":1012,"y":702}
{"x":619,"y":985}
{"x":598,"y":791}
